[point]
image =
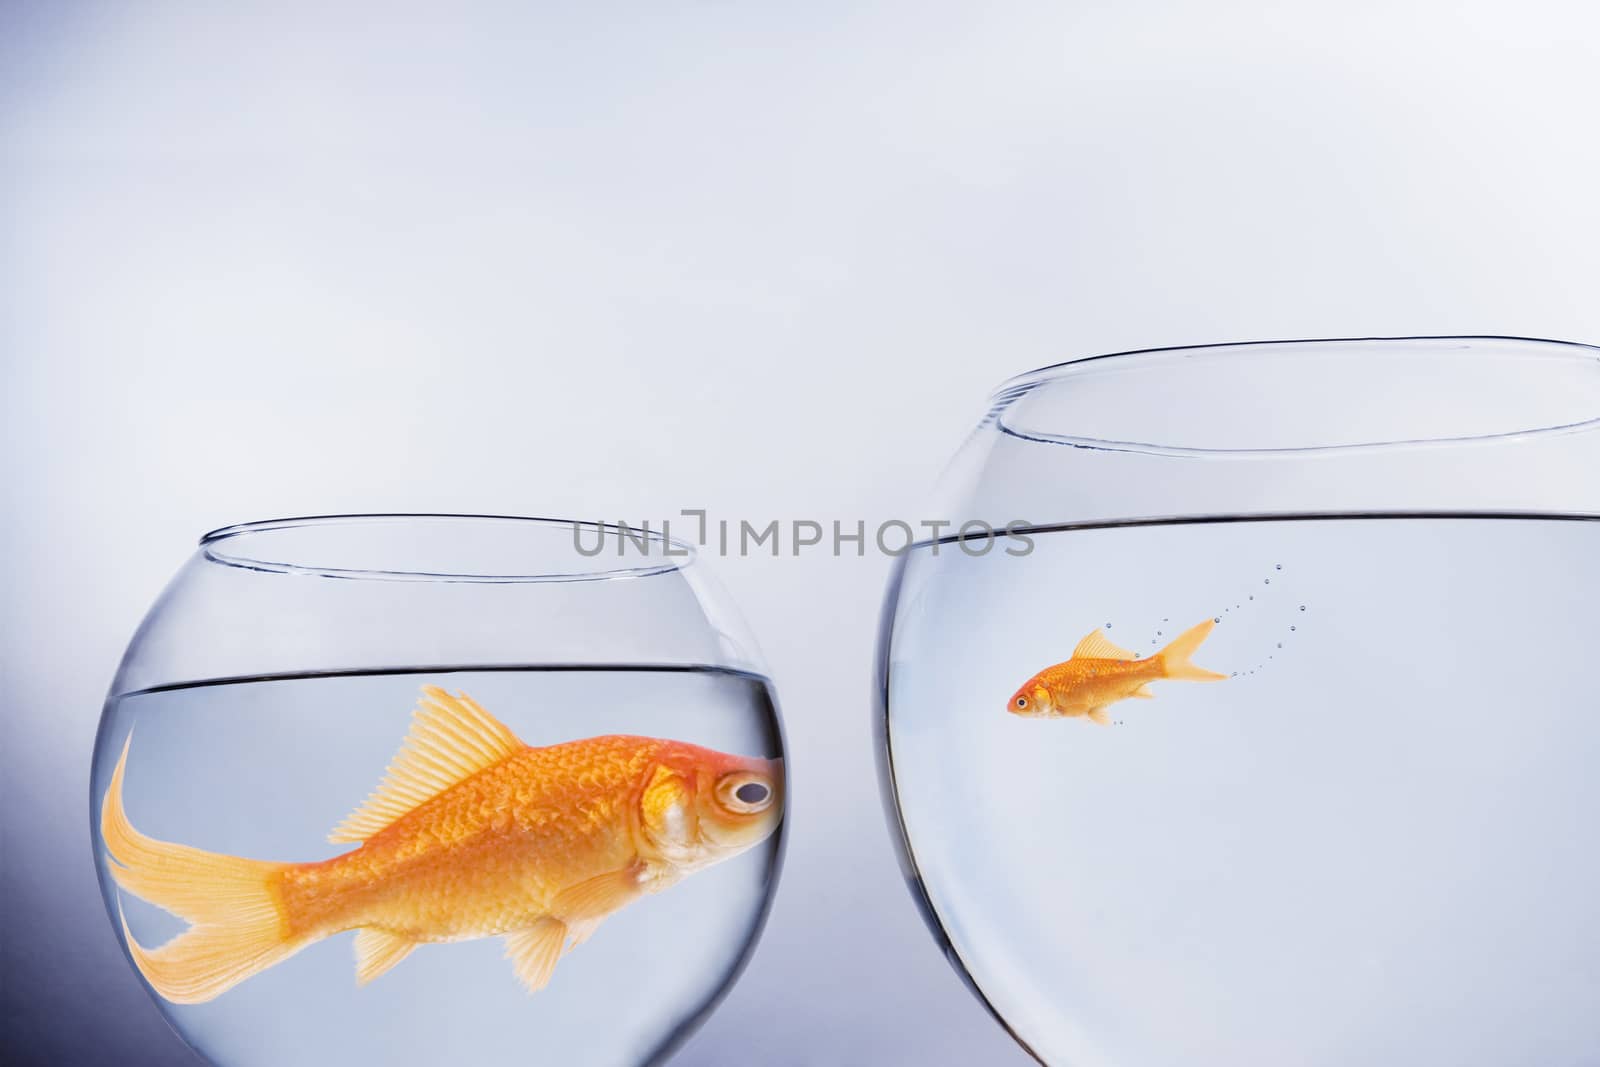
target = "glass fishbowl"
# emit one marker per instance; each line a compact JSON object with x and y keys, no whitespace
{"x":1263,"y":730}
{"x":412,"y":789}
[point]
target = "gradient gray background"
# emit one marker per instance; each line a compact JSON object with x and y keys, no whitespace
{"x":611,"y":261}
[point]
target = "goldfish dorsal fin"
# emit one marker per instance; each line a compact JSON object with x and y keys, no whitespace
{"x":1098,"y":646}
{"x":451,"y":739}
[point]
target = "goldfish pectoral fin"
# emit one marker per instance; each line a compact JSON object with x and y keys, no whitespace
{"x":534,"y":952}
{"x":597,"y":897}
{"x":1174,"y":659}
{"x":1143,"y":692}
{"x":451,"y":739}
{"x":1098,"y":646}
{"x":1098,"y":715}
{"x":377,"y":951}
{"x":581,"y":931}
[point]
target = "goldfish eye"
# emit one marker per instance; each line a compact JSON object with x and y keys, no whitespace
{"x":1022,"y":702}
{"x":744,"y":793}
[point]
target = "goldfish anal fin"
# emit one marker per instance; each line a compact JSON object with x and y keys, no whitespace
{"x":451,"y":739}
{"x":597,"y":897}
{"x":534,"y":952}
{"x":1098,"y":646}
{"x":1098,"y":715}
{"x":377,"y":951}
{"x":1143,"y":691}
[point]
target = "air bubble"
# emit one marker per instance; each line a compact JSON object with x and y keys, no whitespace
{"x":1278,"y":565}
{"x":1302,"y":607}
{"x":1252,"y":597}
{"x":1217,"y":619}
{"x":1280,"y":644}
{"x":1266,"y":581}
{"x":1291,"y":629}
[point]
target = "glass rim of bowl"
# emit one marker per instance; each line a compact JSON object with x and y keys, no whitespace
{"x":1007,"y":415}
{"x":653,"y":551}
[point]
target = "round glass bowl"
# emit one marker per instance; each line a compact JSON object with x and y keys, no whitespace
{"x":1359,"y":580}
{"x":577,"y":833}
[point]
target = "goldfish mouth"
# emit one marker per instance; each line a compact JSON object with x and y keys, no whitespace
{"x":755,"y":829}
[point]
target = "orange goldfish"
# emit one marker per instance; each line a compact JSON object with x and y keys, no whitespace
{"x":472,"y":834}
{"x":1099,"y":673}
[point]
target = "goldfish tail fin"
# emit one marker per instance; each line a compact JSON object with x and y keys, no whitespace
{"x":236,"y":924}
{"x":1174,"y":659}
{"x":204,"y":962}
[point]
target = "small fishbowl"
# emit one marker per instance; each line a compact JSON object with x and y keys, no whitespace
{"x":422,"y":789}
{"x":1246,"y":713}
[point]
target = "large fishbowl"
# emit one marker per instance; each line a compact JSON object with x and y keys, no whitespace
{"x":412,"y":789}
{"x":1263,"y":729}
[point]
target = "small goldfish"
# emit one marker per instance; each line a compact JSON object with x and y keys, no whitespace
{"x":472,"y":834}
{"x":1099,"y":674}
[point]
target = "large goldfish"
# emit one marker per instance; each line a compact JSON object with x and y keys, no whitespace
{"x":472,"y":834}
{"x":1100,"y":673}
